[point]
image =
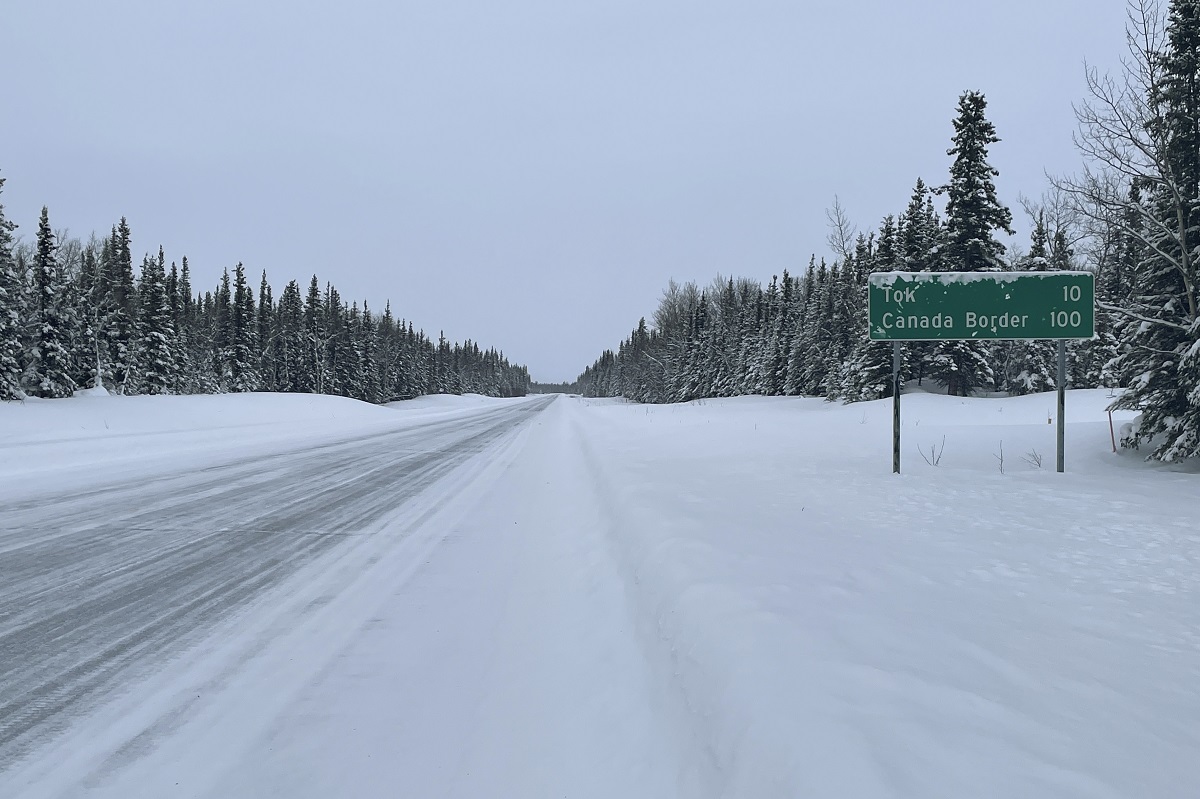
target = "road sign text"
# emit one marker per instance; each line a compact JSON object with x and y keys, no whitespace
{"x":916,"y":306}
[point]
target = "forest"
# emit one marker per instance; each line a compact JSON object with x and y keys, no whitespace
{"x":73,"y":316}
{"x":1131,"y":216}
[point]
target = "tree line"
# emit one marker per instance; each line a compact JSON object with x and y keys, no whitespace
{"x":1132,"y":217}
{"x":73,"y":315}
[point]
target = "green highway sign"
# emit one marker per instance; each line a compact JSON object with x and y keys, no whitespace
{"x":928,"y":306}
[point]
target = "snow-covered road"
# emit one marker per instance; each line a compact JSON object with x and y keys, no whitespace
{"x":731,"y":598}
{"x":104,"y":583}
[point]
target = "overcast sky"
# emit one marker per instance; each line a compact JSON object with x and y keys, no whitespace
{"x":527,"y":173}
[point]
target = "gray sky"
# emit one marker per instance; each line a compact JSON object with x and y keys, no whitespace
{"x":527,"y":173}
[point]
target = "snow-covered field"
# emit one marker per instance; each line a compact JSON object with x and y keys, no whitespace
{"x":726,"y":598}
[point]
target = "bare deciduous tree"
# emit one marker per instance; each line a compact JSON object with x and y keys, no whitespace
{"x":1125,"y":143}
{"x":842,"y":232}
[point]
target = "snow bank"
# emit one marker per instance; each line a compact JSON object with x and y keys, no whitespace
{"x":94,"y":436}
{"x":447,"y":402}
{"x":830,"y":629}
{"x":92,"y":415}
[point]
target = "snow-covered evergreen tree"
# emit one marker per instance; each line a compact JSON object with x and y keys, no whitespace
{"x":314,"y":376}
{"x":849,"y":316}
{"x":243,"y":346}
{"x":156,"y":355}
{"x":220,"y":318}
{"x":289,"y":350}
{"x":801,"y":341}
{"x":817,"y":335}
{"x":87,"y":300}
{"x":48,"y":372}
{"x":372,"y":383}
{"x":1030,"y":366}
{"x":197,"y":372}
{"x":922,"y":245}
{"x":10,"y":313}
{"x":120,"y":312}
{"x":973,"y":214}
{"x":868,"y":373}
{"x":265,"y":337}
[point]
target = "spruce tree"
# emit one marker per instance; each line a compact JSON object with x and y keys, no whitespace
{"x":87,"y":301}
{"x":337,"y":345}
{"x":802,"y":342}
{"x":354,"y":380}
{"x":920,"y":238}
{"x":922,"y":249}
{"x":203,"y":331}
{"x":387,"y":353}
{"x":973,"y":214}
{"x":818,"y":334}
{"x":441,"y":361}
{"x":48,"y":373}
{"x":172,"y":291}
{"x":195,"y":365}
{"x":222,"y":332}
{"x":771,"y":375}
{"x":243,"y":347}
{"x":314,"y":377}
{"x":104,"y":306}
{"x":156,"y":355}
{"x":10,"y":313}
{"x":869,"y":369}
{"x":290,"y":346}
{"x":720,"y":363}
{"x":372,"y":383}
{"x":786,"y":330}
{"x":1038,"y":259}
{"x":117,"y":312}
{"x":265,"y":336}
{"x":1031,"y":366}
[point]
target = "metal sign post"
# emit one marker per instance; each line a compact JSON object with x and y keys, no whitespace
{"x":895,"y":407}
{"x":963,"y":306}
{"x":1062,"y":403}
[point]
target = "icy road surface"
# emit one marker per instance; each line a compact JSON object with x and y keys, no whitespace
{"x":462,"y":598}
{"x":100,"y":586}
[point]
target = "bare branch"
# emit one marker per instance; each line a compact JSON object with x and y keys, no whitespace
{"x":1104,"y":306}
{"x":842,"y":231}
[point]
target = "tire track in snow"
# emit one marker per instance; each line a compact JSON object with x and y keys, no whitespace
{"x":97,"y":588}
{"x":690,"y":715}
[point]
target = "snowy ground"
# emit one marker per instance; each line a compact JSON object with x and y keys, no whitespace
{"x":727,"y":598}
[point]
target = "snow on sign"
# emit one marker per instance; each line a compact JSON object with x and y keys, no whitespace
{"x":925,"y":306}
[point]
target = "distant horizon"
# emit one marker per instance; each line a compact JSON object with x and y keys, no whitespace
{"x":482,"y":168}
